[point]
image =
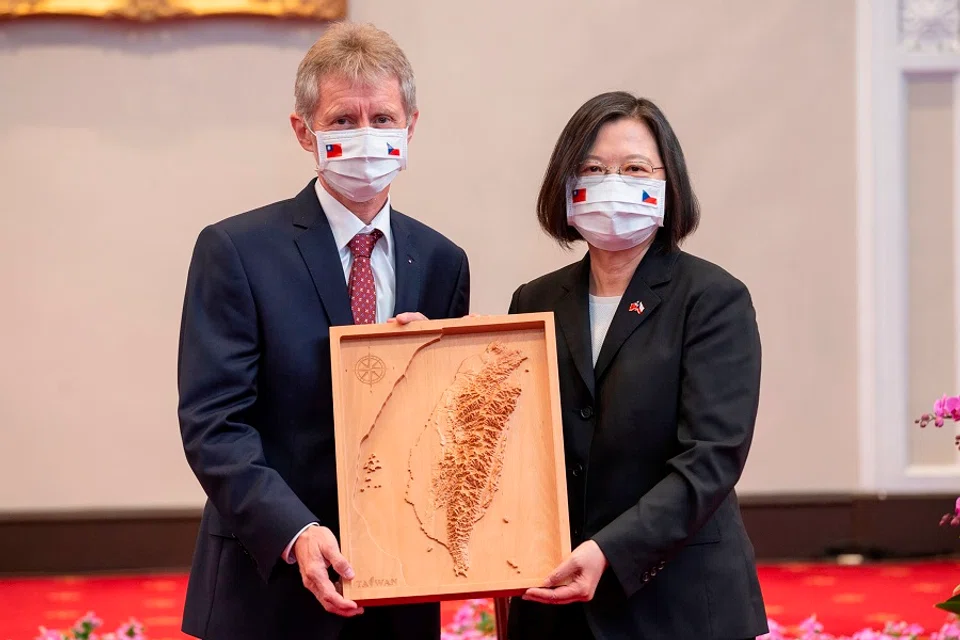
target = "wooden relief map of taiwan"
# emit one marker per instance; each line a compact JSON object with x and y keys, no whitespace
{"x":449,"y":457}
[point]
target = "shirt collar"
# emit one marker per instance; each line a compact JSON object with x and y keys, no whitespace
{"x":345,"y":225}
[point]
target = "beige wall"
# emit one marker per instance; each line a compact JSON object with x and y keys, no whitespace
{"x":119,"y":143}
{"x":930,"y":187}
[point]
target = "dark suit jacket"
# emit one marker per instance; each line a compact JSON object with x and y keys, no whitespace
{"x":655,"y":439}
{"x":256,"y":408}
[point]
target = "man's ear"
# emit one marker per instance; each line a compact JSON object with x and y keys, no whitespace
{"x":304,"y":136}
{"x":412,"y":125}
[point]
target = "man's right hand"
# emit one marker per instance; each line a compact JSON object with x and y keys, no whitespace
{"x":315,"y":550}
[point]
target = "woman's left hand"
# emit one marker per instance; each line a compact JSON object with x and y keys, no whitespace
{"x":575,"y":580}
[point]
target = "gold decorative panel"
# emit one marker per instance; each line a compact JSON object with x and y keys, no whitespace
{"x":148,"y":10}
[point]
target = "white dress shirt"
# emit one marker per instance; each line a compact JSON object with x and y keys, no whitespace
{"x":345,"y":225}
{"x":602,"y":311}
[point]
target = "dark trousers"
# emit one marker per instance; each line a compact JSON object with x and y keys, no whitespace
{"x":564,"y":622}
{"x":413,"y":622}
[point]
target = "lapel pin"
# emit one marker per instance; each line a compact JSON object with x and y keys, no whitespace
{"x":636,"y":306}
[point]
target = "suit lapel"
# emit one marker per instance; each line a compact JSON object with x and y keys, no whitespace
{"x":319,"y":252}
{"x":573,"y":316}
{"x":407,"y":261}
{"x":638,"y":303}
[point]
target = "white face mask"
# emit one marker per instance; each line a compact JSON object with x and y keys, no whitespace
{"x":615,"y":212}
{"x":360,"y":163}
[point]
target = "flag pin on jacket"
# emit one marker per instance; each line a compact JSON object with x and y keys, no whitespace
{"x":636,"y":306}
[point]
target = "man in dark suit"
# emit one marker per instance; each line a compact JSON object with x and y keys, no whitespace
{"x":255,"y":406}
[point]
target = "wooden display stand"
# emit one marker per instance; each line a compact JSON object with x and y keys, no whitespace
{"x":450,"y":466}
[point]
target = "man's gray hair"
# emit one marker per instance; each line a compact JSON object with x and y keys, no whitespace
{"x":358,"y":52}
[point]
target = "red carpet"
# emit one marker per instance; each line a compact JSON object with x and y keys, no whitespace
{"x":845,"y":599}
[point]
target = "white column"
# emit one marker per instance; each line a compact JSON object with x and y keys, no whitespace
{"x":896,"y":38}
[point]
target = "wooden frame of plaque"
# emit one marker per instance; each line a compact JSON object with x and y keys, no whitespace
{"x":450,"y":466}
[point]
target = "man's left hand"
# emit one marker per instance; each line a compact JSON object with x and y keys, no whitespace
{"x":575,"y":580}
{"x":408,"y":317}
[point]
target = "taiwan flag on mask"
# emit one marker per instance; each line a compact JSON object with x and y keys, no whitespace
{"x":392,"y":151}
{"x":579,"y":195}
{"x":334,"y":151}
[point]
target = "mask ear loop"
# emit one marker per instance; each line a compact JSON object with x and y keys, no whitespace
{"x":570,"y":186}
{"x":404,"y":150}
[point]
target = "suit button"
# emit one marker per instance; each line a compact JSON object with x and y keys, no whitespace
{"x":662,"y":565}
{"x":586,"y":413}
{"x":576,"y":470}
{"x":653,"y":572}
{"x":646,"y":576}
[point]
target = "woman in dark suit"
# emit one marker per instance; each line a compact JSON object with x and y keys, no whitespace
{"x":659,"y":359}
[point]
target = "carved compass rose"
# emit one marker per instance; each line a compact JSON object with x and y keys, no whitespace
{"x":370,"y":369}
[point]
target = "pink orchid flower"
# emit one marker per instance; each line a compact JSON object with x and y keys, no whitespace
{"x":947,"y":407}
{"x":90,"y":619}
{"x":949,"y":631}
{"x":777,"y":631}
{"x":902,"y":630}
{"x":811,"y":626}
{"x":131,"y":629}
{"x":953,"y":519}
{"x":938,"y":406}
{"x":952,"y":408}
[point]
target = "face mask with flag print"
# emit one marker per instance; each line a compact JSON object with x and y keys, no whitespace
{"x":615,"y":212}
{"x":360,"y":163}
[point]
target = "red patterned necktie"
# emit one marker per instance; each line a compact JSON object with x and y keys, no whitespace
{"x":362,"y":290}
